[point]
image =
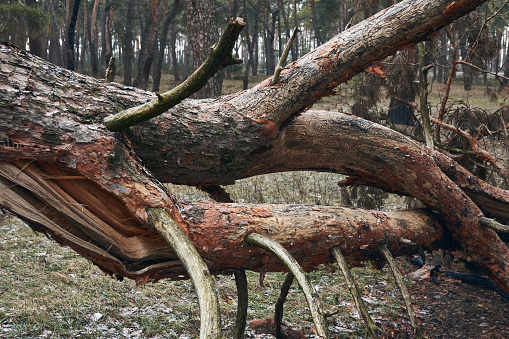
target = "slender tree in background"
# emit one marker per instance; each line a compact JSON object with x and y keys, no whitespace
{"x":128,"y":43}
{"x":269,"y":22}
{"x":71,"y":32}
{"x":35,"y":28}
{"x":92,"y":39}
{"x":55,"y":50}
{"x":169,"y":18}
{"x":107,"y":51}
{"x":148,"y":44}
{"x":256,"y":18}
{"x":173,"y":51}
{"x":318,"y":36}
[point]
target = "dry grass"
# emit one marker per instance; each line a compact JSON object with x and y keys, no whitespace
{"x":50,"y":291}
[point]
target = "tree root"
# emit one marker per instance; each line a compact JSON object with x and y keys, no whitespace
{"x":242,"y":301}
{"x":382,"y":247}
{"x":371,"y":328}
{"x":202,"y":280}
{"x":278,"y":313}
{"x":315,"y":306}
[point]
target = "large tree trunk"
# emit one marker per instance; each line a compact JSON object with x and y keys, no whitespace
{"x":93,"y":189}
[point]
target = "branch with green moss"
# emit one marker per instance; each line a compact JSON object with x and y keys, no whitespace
{"x":220,"y":57}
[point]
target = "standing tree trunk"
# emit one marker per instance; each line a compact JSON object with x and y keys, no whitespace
{"x":203,"y":35}
{"x":295,"y":51}
{"x":148,"y":46}
{"x":163,"y":40}
{"x":269,"y":36}
{"x":92,"y":40}
{"x":174,"y":60}
{"x":318,"y":36}
{"x":71,"y":32}
{"x":34,"y":32}
{"x":55,"y":51}
{"x":256,"y":18}
{"x":128,"y":44}
{"x":107,"y":37}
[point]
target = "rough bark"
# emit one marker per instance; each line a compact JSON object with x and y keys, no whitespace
{"x":203,"y":35}
{"x":90,"y":188}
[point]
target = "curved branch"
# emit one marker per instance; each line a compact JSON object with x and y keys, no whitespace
{"x":315,"y":306}
{"x":371,"y":328}
{"x":278,"y":312}
{"x":203,"y":283}
{"x":242,"y":302}
{"x":220,"y":57}
{"x":494,"y":225}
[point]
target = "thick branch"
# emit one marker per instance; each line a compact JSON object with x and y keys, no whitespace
{"x":220,"y":57}
{"x":349,"y":53}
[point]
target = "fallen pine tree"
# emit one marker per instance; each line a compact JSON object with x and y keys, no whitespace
{"x":98,"y":191}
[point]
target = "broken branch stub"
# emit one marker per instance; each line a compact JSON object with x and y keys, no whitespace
{"x":220,"y":57}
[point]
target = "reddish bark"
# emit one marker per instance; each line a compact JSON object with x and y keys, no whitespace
{"x":96,"y":190}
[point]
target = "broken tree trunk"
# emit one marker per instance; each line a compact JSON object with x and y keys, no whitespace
{"x":90,"y":188}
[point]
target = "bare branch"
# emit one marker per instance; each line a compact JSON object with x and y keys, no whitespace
{"x":282,"y":60}
{"x":371,"y":328}
{"x":382,"y":247}
{"x":315,"y":306}
{"x":220,"y":57}
{"x":198,"y":271}
{"x":494,"y":225}
{"x":481,"y":70}
{"x":473,"y":145}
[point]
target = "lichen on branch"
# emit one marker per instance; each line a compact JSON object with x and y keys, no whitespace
{"x":220,"y":57}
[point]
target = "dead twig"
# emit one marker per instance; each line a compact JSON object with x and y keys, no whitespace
{"x":382,"y":247}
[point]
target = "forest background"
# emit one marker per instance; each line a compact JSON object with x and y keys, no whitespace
{"x":157,"y":44}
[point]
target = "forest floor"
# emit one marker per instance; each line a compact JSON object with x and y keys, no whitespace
{"x":48,"y":291}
